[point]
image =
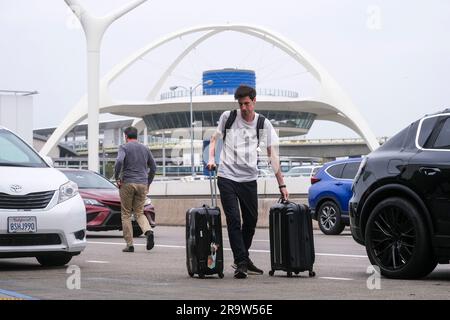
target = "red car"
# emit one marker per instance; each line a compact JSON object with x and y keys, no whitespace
{"x":102,"y":201}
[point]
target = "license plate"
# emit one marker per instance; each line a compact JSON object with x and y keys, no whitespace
{"x":22,"y":224}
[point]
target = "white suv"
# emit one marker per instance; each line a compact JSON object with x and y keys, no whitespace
{"x":41,"y":213}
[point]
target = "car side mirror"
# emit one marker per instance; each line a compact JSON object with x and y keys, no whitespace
{"x":48,"y":160}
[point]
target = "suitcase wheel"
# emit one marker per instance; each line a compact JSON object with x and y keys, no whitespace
{"x":297,"y":272}
{"x":201,"y":275}
{"x":312,"y":274}
{"x":271,"y":273}
{"x":289,"y":274}
{"x":221,"y":275}
{"x":190,"y":274}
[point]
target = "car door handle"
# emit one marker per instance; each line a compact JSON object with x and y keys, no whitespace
{"x":339,"y":183}
{"x":429,"y":171}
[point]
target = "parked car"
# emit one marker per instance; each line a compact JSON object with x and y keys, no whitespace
{"x":265,"y":172}
{"x":400,"y":208}
{"x":330,"y":192}
{"x":302,"y":171}
{"x":102,"y":201}
{"x":41,"y":212}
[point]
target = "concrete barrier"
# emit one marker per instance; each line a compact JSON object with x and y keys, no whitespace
{"x":189,"y":187}
{"x":172,"y":211}
{"x":173,"y":198}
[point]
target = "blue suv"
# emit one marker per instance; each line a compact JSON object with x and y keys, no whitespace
{"x":330,"y":193}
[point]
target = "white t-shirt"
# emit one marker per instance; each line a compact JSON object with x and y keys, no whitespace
{"x":239,"y":155}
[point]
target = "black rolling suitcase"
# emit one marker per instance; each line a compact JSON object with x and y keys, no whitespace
{"x":291,"y":238}
{"x":204,"y":245}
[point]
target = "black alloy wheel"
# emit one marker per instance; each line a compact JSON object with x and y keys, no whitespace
{"x":398,"y":241}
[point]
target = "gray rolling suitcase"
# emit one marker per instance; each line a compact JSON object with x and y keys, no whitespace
{"x":204,"y":244}
{"x":291,"y":238}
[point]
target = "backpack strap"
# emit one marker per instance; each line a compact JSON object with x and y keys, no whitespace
{"x":229,"y":123}
{"x":259,"y":125}
{"x":232,"y":118}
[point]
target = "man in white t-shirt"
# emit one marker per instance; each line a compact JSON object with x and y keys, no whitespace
{"x":238,"y":172}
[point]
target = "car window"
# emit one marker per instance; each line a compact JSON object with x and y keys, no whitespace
{"x":443,"y":139}
{"x":426,"y":129}
{"x":14,"y":152}
{"x":398,"y":140}
{"x":350,"y":170}
{"x":89,"y":180}
{"x":300,"y":171}
{"x":336,"y":170}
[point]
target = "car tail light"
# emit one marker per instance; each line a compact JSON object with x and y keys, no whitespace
{"x":314,"y":180}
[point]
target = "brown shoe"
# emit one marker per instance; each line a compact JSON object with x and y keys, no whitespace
{"x":128,"y":249}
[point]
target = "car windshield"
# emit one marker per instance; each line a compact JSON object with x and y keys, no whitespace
{"x":89,"y":180}
{"x":16,"y":153}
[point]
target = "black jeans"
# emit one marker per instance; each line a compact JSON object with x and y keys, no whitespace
{"x":245,"y":194}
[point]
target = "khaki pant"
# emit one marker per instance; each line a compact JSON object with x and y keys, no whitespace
{"x":133,"y":196}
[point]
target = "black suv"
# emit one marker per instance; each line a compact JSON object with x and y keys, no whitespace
{"x":400,"y":208}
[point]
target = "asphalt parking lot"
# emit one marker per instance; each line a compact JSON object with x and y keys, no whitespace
{"x":107,"y":273}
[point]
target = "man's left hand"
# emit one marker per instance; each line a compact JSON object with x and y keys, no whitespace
{"x":284,"y":193}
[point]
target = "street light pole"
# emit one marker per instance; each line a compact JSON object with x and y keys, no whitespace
{"x":192,"y":133}
{"x":164,"y":153}
{"x":191,"y":89}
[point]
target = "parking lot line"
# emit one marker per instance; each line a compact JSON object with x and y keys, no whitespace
{"x":5,"y":294}
{"x":228,"y":249}
{"x":96,"y":261}
{"x":334,"y":278}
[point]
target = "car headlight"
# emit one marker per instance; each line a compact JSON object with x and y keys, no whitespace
{"x":93,"y":202}
{"x":147,"y":202}
{"x":67,"y":191}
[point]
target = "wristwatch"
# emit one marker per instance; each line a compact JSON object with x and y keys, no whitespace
{"x":282,"y":186}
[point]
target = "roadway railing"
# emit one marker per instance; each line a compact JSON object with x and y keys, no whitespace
{"x":213,"y":91}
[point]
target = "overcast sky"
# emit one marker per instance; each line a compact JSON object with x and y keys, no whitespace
{"x":391,"y":57}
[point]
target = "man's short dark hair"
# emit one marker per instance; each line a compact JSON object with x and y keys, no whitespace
{"x":245,"y":91}
{"x":131,"y":132}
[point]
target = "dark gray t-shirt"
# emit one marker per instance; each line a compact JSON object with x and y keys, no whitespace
{"x":135,"y":164}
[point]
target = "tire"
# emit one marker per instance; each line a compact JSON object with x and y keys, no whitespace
{"x":137,"y":232}
{"x":329,"y":218}
{"x":54,"y":259}
{"x":397,"y":240}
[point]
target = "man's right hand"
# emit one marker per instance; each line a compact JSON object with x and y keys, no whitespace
{"x":211,"y":166}
{"x":119,"y":183}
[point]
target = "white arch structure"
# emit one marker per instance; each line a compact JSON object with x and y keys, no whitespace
{"x":333,"y":104}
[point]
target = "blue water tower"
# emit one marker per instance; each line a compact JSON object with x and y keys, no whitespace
{"x":226,"y":81}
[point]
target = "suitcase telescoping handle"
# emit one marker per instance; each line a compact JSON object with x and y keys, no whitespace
{"x":213,"y":192}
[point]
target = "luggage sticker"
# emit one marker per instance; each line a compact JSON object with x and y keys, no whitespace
{"x":212,"y":256}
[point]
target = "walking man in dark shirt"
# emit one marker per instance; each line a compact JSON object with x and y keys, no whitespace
{"x":134,"y":172}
